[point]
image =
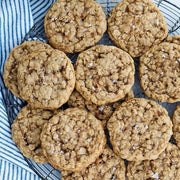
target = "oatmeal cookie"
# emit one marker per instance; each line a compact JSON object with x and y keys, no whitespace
{"x":107,"y":166}
{"x":16,"y":54}
{"x":104,"y":74}
{"x":102,"y":112}
{"x":159,"y":72}
{"x":26,"y":130}
{"x":176,"y":125}
{"x":165,"y":167}
{"x":136,"y":25}
{"x":174,"y":39}
{"x":73,"y":139}
{"x":74,"y":25}
{"x":46,"y":79}
{"x":139,"y":129}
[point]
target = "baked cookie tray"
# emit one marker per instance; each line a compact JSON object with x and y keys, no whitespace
{"x":14,"y":104}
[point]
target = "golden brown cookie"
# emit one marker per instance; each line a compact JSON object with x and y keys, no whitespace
{"x":165,"y":167}
{"x":46,"y":79}
{"x":74,"y":25}
{"x":159,"y":72}
{"x":15,"y":56}
{"x":26,"y":130}
{"x":136,"y":25}
{"x":176,"y":125}
{"x":102,"y":112}
{"x":107,"y":166}
{"x":104,"y":74}
{"x":139,"y":129}
{"x":73,"y":139}
{"x":174,"y":39}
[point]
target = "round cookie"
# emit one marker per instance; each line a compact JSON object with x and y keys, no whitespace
{"x":107,"y":166}
{"x":104,"y":74}
{"x":174,"y":39}
{"x":73,"y":139}
{"x":136,"y":25}
{"x":73,"y":25}
{"x":102,"y":112}
{"x":46,"y":79}
{"x":26,"y":130}
{"x":15,"y":56}
{"x":176,"y":125}
{"x":165,"y":167}
{"x":139,"y":129}
{"x":159,"y":72}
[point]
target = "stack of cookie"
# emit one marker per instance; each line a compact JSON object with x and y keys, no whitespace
{"x":98,"y":91}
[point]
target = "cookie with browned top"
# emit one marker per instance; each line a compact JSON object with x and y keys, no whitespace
{"x":26,"y":130}
{"x":104,"y":74}
{"x":139,"y":129}
{"x":15,"y":56}
{"x":174,"y":39}
{"x":73,"y":139}
{"x":176,"y":125}
{"x":165,"y":167}
{"x":159,"y":72}
{"x":136,"y":25}
{"x":74,"y":25}
{"x":107,"y":166}
{"x":46,"y":79}
{"x":102,"y":112}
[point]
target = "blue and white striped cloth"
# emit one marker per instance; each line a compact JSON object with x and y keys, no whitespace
{"x":16,"y":19}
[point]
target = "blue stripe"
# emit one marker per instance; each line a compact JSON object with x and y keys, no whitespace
{"x":38,"y":15}
{"x":18,"y":156}
{"x":21,"y":25}
{"x":3,"y":17}
{"x":12,"y":24}
{"x":15,"y":152}
{"x":8,"y":31}
{"x":36,"y":6}
{"x":25,"y":21}
{"x":17,"y":39}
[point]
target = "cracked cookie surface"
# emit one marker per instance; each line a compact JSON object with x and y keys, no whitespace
{"x":102,"y":112}
{"x":107,"y":166}
{"x":165,"y":167}
{"x":15,"y":56}
{"x":159,"y":72}
{"x":176,"y":125}
{"x":104,"y":74}
{"x":26,"y":130}
{"x":174,"y":39}
{"x":46,"y":79}
{"x":139,"y":129}
{"x":136,"y":25}
{"x":73,"y":25}
{"x":73,"y":139}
